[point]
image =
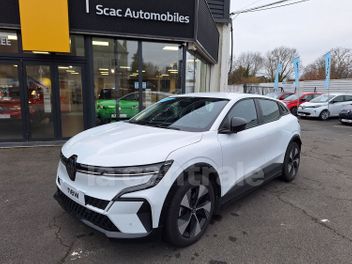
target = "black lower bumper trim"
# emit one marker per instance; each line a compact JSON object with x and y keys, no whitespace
{"x":84,"y":213}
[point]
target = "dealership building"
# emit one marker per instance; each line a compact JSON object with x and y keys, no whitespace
{"x":68,"y":65}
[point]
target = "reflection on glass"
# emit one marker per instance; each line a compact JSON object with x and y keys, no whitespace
{"x":160,"y":69}
{"x":70,"y":81}
{"x":10,"y":103}
{"x":197,"y":75}
{"x":77,"y":46}
{"x":8,"y":42}
{"x":190,"y":73}
{"x":39,"y":101}
{"x":116,"y":77}
{"x":202,"y":71}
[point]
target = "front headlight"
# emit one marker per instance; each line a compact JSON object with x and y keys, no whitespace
{"x":130,"y":171}
{"x":313,"y":106}
{"x":153,"y":181}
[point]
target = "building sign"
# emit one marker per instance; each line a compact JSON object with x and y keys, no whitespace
{"x":163,"y":19}
{"x":129,"y":13}
{"x":8,"y":42}
{"x":168,"y":20}
{"x":44,"y":25}
{"x":4,"y":41}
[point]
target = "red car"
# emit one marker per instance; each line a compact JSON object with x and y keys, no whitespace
{"x":279,"y":95}
{"x":292,"y":102}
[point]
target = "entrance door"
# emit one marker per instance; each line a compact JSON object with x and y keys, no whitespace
{"x":54,"y":100}
{"x":10,"y":102}
{"x":71,"y":100}
{"x":40,"y":101}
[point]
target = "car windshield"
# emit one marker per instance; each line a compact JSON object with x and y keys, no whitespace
{"x":322,"y":99}
{"x":194,"y":114}
{"x":291,"y":97}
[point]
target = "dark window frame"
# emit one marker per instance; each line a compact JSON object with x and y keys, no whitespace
{"x":345,"y":98}
{"x":222,"y":124}
{"x":262,"y":122}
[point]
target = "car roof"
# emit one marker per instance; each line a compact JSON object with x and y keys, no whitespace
{"x":337,"y":94}
{"x":311,"y":93}
{"x":229,"y":96}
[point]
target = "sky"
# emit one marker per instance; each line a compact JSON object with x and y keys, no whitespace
{"x":313,"y":27}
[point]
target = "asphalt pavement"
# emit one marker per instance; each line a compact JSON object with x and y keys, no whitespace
{"x":307,"y":221}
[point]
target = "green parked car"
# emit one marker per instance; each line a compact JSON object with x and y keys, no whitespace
{"x":109,"y":109}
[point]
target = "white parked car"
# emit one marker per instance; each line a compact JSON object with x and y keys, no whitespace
{"x":325,"y":106}
{"x":174,"y":164}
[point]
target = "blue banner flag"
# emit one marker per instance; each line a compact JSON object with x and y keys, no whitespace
{"x":278,"y":72}
{"x":296,"y":65}
{"x":327,"y":70}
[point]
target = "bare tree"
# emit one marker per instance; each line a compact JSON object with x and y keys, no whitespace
{"x":246,"y":68}
{"x":251,"y":62}
{"x":281,"y":55}
{"x":341,"y":66}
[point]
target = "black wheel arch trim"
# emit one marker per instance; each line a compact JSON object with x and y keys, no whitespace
{"x":296,"y":138}
{"x":213,"y":177}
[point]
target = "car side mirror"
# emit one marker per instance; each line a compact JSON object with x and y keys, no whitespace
{"x":303,"y":100}
{"x":332,"y":102}
{"x":236,"y":125}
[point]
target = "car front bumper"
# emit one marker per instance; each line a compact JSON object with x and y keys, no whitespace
{"x":346,"y":117}
{"x":308,"y":112}
{"x":94,"y":200}
{"x":121,"y":219}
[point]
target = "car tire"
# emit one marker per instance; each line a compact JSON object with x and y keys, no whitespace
{"x":324,"y":115}
{"x":291,"y":162}
{"x":294,"y":111}
{"x":189,"y":212}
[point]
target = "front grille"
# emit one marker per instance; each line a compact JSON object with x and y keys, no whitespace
{"x":81,"y":212}
{"x":101,"y":204}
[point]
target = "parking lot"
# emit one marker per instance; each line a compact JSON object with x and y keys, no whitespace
{"x":307,"y":221}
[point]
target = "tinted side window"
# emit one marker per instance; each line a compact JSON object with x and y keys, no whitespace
{"x":244,"y":109}
{"x":309,"y":97}
{"x":339,"y":99}
{"x":284,"y":110}
{"x":348,"y":98}
{"x":270,"y":110}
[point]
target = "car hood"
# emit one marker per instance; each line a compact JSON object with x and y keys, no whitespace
{"x":124,"y":144}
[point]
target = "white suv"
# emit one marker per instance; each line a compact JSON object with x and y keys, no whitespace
{"x":325,"y":106}
{"x":174,"y":164}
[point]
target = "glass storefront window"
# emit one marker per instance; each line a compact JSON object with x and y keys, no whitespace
{"x":77,"y":45}
{"x":10,"y":103}
{"x":197,"y":75}
{"x":202,"y":76}
{"x":8,"y":42}
{"x":40,"y":101}
{"x":71,"y":102}
{"x":116,"y":79}
{"x":190,"y":73}
{"x":160,"y":71}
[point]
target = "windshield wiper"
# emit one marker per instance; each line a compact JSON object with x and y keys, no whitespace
{"x":154,"y":124}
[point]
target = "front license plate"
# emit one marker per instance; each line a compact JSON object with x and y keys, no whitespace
{"x":113,"y":115}
{"x":4,"y":116}
{"x":123,"y":116}
{"x":73,"y":193}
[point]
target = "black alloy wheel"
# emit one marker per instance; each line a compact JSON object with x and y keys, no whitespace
{"x":189,"y":212}
{"x":292,"y":162}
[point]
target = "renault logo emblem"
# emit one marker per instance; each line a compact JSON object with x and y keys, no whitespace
{"x":71,"y":167}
